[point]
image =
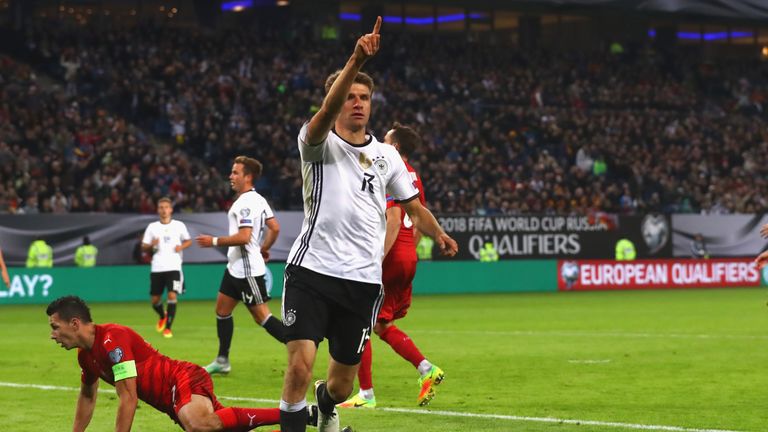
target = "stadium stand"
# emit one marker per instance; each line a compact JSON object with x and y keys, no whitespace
{"x":127,"y":116}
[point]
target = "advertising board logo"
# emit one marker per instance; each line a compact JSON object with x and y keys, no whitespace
{"x":570,"y":273}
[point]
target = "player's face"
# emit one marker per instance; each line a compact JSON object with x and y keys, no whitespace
{"x":357,"y":108}
{"x":238,"y":179}
{"x":63,"y":332}
{"x":165,"y":210}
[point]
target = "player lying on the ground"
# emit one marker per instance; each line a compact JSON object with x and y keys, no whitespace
{"x":119,"y":356}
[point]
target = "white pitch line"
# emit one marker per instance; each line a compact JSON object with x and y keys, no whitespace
{"x":592,"y":334}
{"x":441,"y":413}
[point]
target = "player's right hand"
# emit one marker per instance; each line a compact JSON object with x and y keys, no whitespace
{"x":368,"y":45}
{"x":764,"y":231}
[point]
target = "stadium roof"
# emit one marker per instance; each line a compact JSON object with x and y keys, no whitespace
{"x":737,"y":9}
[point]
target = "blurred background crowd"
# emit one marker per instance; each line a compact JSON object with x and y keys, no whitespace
{"x":109,"y":120}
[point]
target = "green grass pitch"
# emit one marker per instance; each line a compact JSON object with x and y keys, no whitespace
{"x":599,"y":361}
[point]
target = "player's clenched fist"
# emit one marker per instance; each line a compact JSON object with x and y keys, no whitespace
{"x":368,"y":45}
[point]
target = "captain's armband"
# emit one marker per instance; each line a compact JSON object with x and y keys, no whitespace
{"x":124,"y":370}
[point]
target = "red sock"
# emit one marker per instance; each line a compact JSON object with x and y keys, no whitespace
{"x":364,"y":373}
{"x":402,"y":344}
{"x":244,"y":419}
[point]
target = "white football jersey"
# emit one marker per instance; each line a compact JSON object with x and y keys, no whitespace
{"x":249,"y":210}
{"x":345,"y":188}
{"x":172,"y":234}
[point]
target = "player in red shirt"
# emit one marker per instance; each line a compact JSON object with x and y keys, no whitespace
{"x":122,"y":358}
{"x":399,"y":269}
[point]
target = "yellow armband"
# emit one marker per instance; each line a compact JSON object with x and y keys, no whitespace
{"x":124,"y":370}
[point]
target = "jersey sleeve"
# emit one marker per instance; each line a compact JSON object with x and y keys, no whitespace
{"x":245,"y":212}
{"x":117,"y":345}
{"x":268,"y":214}
{"x":400,"y":185}
{"x":184,"y":232}
{"x":314,"y":152}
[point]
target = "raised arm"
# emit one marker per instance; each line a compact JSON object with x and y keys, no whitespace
{"x":425,"y":222}
{"x":86,"y":403}
{"x":322,"y":122}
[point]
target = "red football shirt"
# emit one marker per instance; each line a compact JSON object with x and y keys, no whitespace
{"x":404,"y":248}
{"x":154,"y":372}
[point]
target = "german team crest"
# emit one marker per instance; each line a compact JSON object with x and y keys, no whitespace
{"x":381,"y":165}
{"x":116,"y":355}
{"x":290,"y":317}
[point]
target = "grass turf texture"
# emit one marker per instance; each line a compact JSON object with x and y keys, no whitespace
{"x":693,"y":359}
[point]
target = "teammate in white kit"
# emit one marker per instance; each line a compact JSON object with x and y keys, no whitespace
{"x":166,"y":239}
{"x":333,"y":274}
{"x":249,"y":218}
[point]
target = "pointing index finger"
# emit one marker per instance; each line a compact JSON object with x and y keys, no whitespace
{"x":377,"y":26}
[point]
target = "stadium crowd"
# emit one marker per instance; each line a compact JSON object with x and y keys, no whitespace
{"x":131,"y":115}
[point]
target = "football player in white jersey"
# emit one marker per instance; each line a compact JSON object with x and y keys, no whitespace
{"x":166,"y":239}
{"x":333,"y":274}
{"x":249,"y":218}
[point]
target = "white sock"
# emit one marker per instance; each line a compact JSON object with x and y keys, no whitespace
{"x":366,"y":394}
{"x":293,"y":407}
{"x":424,"y":367}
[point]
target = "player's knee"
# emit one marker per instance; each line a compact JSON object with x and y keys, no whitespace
{"x":299,"y":372}
{"x":202,"y":424}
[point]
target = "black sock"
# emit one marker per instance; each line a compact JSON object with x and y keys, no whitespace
{"x":159,"y":309}
{"x":171,"y":314}
{"x":324,"y":401}
{"x":293,"y":421}
{"x":275,"y":327}
{"x":225,"y":326}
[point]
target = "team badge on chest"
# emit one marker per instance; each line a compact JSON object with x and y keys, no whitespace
{"x":381,"y":165}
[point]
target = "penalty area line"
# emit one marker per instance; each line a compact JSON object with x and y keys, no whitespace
{"x":635,"y":426}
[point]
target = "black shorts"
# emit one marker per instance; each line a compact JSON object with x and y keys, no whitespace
{"x":170,"y":280}
{"x":252,"y":290}
{"x":317,"y":306}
